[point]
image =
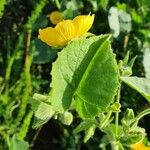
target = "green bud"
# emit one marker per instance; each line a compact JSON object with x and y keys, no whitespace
{"x":126,"y":66}
{"x":126,"y":71}
{"x":115,"y":107}
{"x":128,"y":118}
{"x":66,"y":118}
{"x":129,"y":114}
{"x":40,"y":97}
{"x":126,"y":58}
{"x":120,"y":64}
{"x":55,"y":116}
{"x":89,"y":133}
{"x":132,"y":62}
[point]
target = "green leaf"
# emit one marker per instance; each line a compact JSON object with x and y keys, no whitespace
{"x":122,"y":6}
{"x":94,"y":4}
{"x":42,"y":112}
{"x":16,"y":144}
{"x":42,"y":53}
{"x":146,"y":62}
{"x":103,"y":3}
{"x":88,"y":126}
{"x":85,"y":125}
{"x":86,"y":72}
{"x":136,"y":17}
{"x":89,"y":133}
{"x":111,"y":131}
{"x":2,"y":7}
{"x":143,"y":3}
{"x":134,"y":136}
{"x":41,"y":22}
{"x":141,"y":85}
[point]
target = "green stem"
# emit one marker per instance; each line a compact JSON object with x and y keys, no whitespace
{"x":103,"y":147}
{"x":141,"y":115}
{"x":115,"y":145}
{"x":117,"y":113}
{"x":9,"y":67}
{"x":25,"y":126}
{"x":105,"y":121}
{"x":27,"y":81}
{"x":58,"y":4}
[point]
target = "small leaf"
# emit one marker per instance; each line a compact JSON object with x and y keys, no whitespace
{"x":94,"y":4}
{"x":42,"y":112}
{"x":85,"y":125}
{"x":122,"y":6}
{"x":136,"y":17}
{"x":126,"y":58}
{"x":89,"y":133}
{"x":103,"y":3}
{"x":16,"y":144}
{"x":133,"y":137}
{"x":111,"y":131}
{"x":131,"y":63}
{"x":141,"y":85}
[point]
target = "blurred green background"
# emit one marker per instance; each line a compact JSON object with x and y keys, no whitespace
{"x":25,"y":65}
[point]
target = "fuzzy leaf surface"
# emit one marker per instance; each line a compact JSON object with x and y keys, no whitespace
{"x":85,"y":73}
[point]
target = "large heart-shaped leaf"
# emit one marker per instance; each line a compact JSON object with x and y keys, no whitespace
{"x":86,"y":72}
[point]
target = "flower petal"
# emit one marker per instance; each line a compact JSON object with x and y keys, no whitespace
{"x":139,"y":146}
{"x":51,"y":37}
{"x":66,"y":30}
{"x":83,"y":23}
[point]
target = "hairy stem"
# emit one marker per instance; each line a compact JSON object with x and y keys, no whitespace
{"x":141,"y":115}
{"x":9,"y":67}
{"x":105,"y":121}
{"x":117,"y":113}
{"x":27,"y":81}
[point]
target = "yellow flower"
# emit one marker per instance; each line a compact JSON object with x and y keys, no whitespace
{"x":55,"y":17}
{"x":83,"y":23}
{"x":139,"y":146}
{"x":66,"y":30}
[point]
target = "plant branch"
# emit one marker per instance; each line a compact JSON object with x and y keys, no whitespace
{"x":117,"y":113}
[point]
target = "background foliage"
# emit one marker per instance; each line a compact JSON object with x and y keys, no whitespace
{"x":25,"y":65}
